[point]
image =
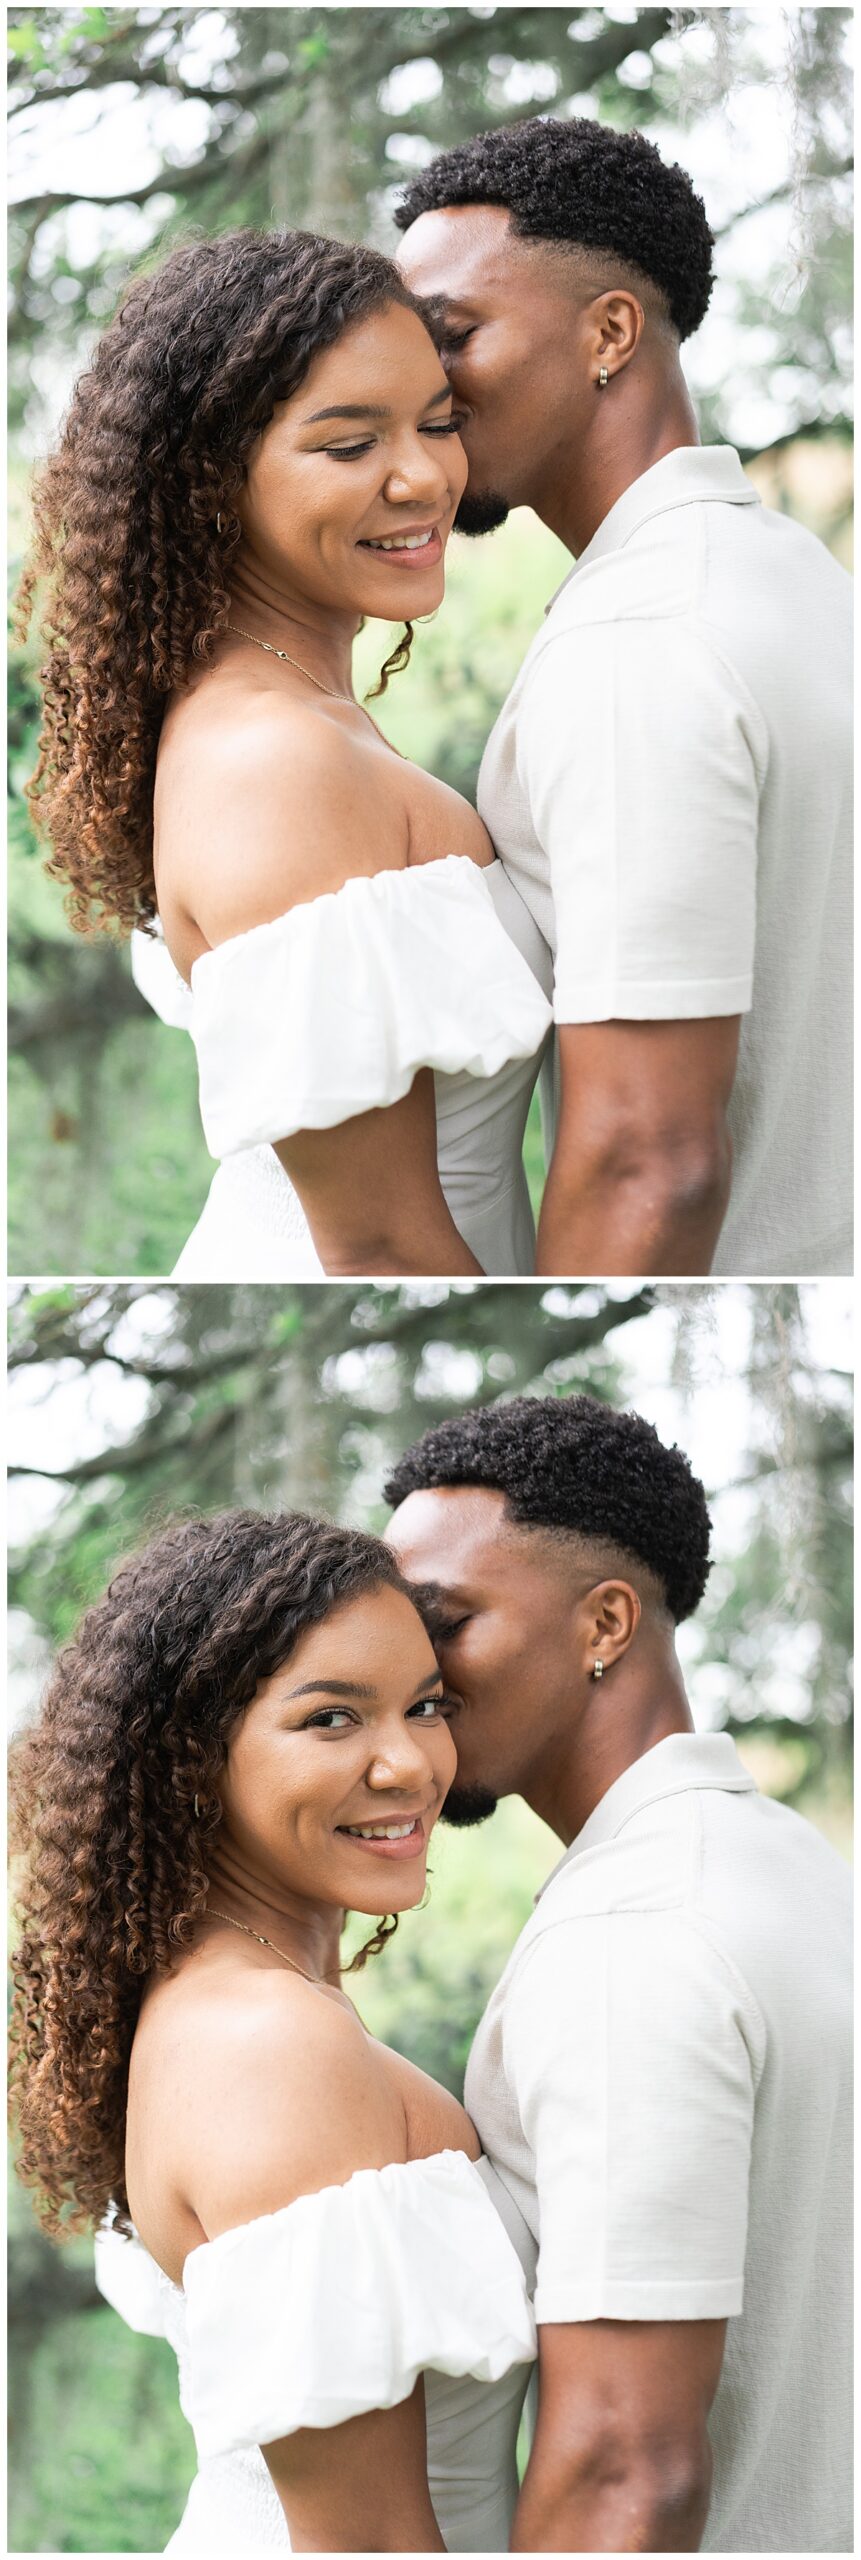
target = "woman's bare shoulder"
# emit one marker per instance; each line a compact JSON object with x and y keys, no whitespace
{"x":270,"y":804}
{"x":271,"y":2089}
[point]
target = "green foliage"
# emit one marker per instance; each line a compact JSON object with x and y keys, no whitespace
{"x":105,"y":2458}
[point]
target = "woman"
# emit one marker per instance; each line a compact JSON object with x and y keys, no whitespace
{"x":247,"y":1736}
{"x":262,"y":454}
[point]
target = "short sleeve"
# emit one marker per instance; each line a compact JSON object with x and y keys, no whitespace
{"x":336,"y":2304}
{"x":333,"y":1008}
{"x":642,"y":757}
{"x":634,"y":2051}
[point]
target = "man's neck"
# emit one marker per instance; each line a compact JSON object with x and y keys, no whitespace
{"x":580,"y":489}
{"x":606,"y":1741}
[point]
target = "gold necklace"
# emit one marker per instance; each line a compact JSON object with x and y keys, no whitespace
{"x":265,"y":1942}
{"x":269,"y":645}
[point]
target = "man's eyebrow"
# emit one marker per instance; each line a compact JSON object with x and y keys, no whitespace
{"x":434,"y":1596}
{"x":353,"y":410}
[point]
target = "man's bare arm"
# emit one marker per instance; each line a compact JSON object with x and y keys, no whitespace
{"x":621,"y":2459}
{"x":641,"y":1170}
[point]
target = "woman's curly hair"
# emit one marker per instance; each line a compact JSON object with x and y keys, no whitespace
{"x":154,"y":448}
{"x":133,"y":1730}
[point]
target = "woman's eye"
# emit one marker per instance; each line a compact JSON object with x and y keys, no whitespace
{"x":346,"y":452}
{"x":327,"y":1719}
{"x":428,"y":1707}
{"x":449,"y":427}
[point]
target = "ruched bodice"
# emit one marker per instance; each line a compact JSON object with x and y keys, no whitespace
{"x":331,"y":1010}
{"x":334,"y":2306}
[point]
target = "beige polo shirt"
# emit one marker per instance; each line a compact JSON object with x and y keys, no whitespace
{"x":668,"y":785}
{"x":662,"y":2081}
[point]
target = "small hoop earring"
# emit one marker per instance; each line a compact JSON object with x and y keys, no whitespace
{"x":220,"y":522}
{"x":603,"y":378}
{"x":598,"y":1670}
{"x":196,"y":1810}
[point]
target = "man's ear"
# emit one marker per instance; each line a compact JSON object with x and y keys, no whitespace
{"x":611,"y":1616}
{"x":618,"y":321}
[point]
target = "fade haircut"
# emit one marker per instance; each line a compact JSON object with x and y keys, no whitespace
{"x":572,"y":1463}
{"x":580,"y":184}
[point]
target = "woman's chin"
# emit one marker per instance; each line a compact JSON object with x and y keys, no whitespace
{"x":395,"y":1891}
{"x":406,"y":595}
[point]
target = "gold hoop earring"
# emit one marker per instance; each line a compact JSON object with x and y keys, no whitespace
{"x":598,"y":1669}
{"x":603,"y":378}
{"x":220,"y":522}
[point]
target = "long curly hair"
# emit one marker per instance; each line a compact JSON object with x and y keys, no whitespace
{"x":153,"y":450}
{"x":134,"y":1727}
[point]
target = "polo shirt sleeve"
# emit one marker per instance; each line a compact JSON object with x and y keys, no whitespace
{"x":633,"y":2050}
{"x":642,"y":755}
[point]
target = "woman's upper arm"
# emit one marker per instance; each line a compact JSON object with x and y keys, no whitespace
{"x":361,"y":2486}
{"x":371,"y":1192}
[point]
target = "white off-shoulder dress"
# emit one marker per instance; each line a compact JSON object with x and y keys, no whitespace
{"x":332,"y":2307}
{"x":330,"y":1011}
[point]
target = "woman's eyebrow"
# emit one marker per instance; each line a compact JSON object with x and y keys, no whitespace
{"x":331,"y":1689}
{"x":353,"y":410}
{"x":356,"y":1688}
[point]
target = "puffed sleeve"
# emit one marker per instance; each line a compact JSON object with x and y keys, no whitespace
{"x":159,"y":981}
{"x":336,"y":2304}
{"x":130,"y":2281}
{"x":332,"y":1009}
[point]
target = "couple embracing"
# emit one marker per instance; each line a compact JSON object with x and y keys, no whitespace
{"x":641,"y":2207}
{"x":650,"y":903}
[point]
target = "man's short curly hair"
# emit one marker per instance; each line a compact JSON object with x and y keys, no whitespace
{"x":582,"y":183}
{"x":572,"y":1463}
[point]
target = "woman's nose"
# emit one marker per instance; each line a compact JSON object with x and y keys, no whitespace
{"x":417,"y":473}
{"x":400,"y":1759}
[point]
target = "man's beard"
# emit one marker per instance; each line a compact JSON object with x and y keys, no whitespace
{"x":466,"y":1805}
{"x":481,"y":512}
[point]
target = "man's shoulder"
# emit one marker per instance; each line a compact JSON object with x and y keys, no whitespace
{"x":652,"y":1865}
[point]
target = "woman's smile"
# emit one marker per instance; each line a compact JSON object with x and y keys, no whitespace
{"x":405,"y":550}
{"x":392,"y":1839}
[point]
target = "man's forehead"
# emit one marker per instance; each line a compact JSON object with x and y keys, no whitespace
{"x":451,"y":1529}
{"x":460,"y":250}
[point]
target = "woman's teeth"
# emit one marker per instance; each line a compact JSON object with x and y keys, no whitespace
{"x":403,"y":542}
{"x":380,"y":1830}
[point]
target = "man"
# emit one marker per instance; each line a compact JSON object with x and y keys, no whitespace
{"x":668,"y":781}
{"x":661,"y":2077}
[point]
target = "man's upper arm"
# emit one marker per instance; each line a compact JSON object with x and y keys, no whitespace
{"x":633,"y":1090}
{"x":647,"y":2383}
{"x":642,"y":758}
{"x":635,"y":2051}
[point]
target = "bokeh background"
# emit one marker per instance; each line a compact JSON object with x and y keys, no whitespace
{"x":129,"y":1403}
{"x":135,"y":127}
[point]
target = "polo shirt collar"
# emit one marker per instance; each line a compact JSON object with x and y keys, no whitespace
{"x":682,"y":1762}
{"x":690,"y":476}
